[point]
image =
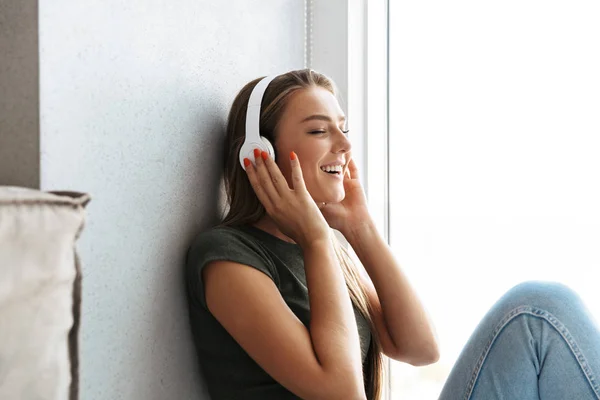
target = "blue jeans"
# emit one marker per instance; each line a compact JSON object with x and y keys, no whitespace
{"x":537,"y":342}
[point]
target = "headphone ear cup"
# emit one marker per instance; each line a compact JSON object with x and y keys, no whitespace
{"x":269,"y":147}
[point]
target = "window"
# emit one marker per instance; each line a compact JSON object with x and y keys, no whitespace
{"x":494,"y":171}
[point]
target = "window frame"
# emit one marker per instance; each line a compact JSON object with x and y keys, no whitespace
{"x":348,"y":40}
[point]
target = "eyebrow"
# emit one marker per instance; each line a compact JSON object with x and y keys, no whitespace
{"x":321,"y":117}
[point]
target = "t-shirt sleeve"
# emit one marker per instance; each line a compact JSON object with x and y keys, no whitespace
{"x":228,"y":245}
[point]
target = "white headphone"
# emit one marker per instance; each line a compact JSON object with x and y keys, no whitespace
{"x":253,"y":139}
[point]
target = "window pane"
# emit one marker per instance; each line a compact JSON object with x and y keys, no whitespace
{"x":494,"y":149}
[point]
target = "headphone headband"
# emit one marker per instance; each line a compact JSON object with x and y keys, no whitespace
{"x":253,"y":139}
{"x":253,"y":112}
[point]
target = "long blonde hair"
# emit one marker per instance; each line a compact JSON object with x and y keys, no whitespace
{"x":246,"y":208}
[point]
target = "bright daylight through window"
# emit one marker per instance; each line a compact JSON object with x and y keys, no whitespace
{"x":494,"y":159}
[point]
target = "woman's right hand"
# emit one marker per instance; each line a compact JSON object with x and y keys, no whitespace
{"x":292,"y":209}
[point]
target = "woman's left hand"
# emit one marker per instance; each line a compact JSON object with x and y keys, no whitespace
{"x":353,"y":209}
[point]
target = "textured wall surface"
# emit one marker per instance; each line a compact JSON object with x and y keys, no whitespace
{"x":133,"y":100}
{"x":19,"y":95}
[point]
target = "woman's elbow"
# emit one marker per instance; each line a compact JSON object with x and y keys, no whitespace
{"x":426,"y":359}
{"x":426,"y":356}
{"x":418,"y":356}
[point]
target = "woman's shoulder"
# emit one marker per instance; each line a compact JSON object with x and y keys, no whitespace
{"x":225,"y":243}
{"x":224,"y":235}
{"x":219,"y":231}
{"x":235,"y":243}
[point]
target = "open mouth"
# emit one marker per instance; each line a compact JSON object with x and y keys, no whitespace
{"x":333,"y":171}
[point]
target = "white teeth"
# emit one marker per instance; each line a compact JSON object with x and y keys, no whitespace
{"x":337,"y":168}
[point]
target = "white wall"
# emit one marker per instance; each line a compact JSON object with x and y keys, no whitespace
{"x":133,"y":98}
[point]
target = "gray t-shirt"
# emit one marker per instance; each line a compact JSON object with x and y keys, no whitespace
{"x":229,"y":372}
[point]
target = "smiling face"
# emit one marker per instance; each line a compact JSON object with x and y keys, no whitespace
{"x":312,"y":125}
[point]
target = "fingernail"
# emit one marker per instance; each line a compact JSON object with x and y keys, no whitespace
{"x":265,"y":155}
{"x":256,"y":153}
{"x":246,"y":162}
{"x":292,"y":155}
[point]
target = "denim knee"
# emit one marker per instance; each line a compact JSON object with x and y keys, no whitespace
{"x":542,"y":294}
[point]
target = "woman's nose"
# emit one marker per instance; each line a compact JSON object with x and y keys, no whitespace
{"x":343,"y":143}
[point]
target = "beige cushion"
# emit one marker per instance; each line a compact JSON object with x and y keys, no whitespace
{"x":40,"y":293}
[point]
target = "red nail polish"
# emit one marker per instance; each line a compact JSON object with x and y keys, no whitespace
{"x":292,"y":155}
{"x":256,"y":153}
{"x":265,"y":155}
{"x":246,"y":162}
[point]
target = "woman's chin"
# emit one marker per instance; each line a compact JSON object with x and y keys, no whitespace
{"x":328,"y":193}
{"x":334,"y":196}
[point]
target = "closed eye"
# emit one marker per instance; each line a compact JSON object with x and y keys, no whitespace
{"x":318,"y":132}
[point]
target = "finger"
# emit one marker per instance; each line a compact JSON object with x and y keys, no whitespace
{"x":347,"y":173}
{"x":264,"y":179}
{"x":255,"y":183}
{"x":277,"y":177}
{"x":297,"y":177}
{"x":353,"y":170}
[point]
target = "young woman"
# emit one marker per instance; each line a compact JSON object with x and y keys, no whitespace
{"x":279,"y":311}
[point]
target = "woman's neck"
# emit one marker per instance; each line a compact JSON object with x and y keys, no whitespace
{"x":266,"y":224}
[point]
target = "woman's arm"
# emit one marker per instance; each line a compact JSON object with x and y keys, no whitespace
{"x":332,"y":321}
{"x":404,"y":329}
{"x":320,"y":363}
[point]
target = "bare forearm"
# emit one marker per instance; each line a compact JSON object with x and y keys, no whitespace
{"x":332,"y":322}
{"x":407,"y":322}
